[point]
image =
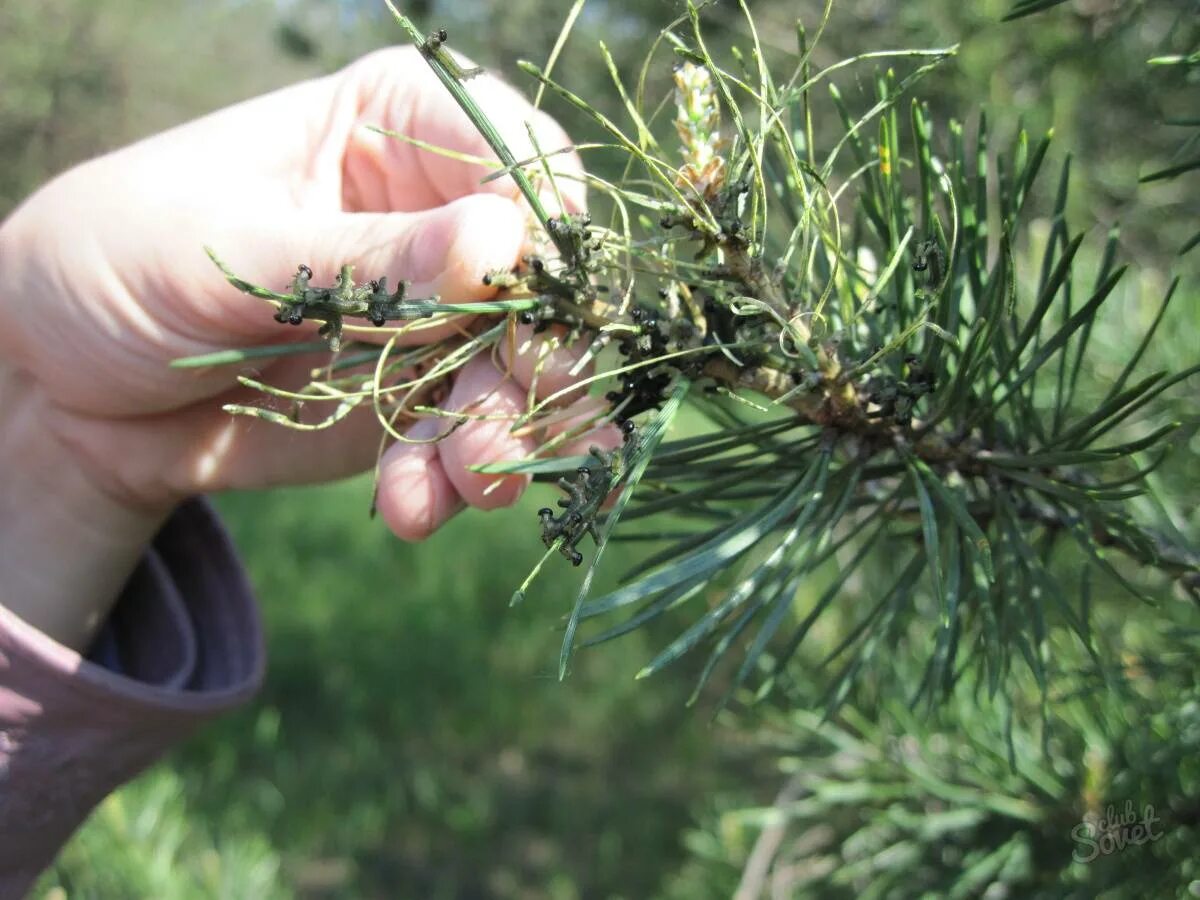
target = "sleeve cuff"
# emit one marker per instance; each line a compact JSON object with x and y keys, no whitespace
{"x":183,"y":644}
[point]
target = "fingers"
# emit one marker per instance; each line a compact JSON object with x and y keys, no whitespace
{"x":483,"y":392}
{"x":448,"y":233}
{"x":153,"y":461}
{"x":396,"y":89}
{"x":444,"y":251}
{"x":421,"y":485}
{"x":540,"y":360}
{"x":580,"y":418}
{"x":414,"y":496}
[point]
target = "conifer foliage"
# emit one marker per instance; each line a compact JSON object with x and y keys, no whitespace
{"x":910,"y":492}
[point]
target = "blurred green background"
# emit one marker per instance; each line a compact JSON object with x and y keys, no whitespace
{"x":412,"y":739}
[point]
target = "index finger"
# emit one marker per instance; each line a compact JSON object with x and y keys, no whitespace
{"x":395,"y":89}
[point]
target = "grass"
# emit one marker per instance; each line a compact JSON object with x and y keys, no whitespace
{"x":411,"y":739}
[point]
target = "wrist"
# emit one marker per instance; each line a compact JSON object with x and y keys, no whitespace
{"x":66,"y":546}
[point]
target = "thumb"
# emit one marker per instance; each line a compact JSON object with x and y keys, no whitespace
{"x":444,"y":251}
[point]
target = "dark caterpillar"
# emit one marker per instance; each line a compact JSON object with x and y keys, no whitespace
{"x":370,"y":301}
{"x":929,"y":258}
{"x":586,"y":493}
{"x":645,"y":388}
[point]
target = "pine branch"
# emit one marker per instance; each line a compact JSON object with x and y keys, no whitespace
{"x":891,"y":371}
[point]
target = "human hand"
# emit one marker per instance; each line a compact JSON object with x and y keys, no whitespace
{"x":103,"y":282}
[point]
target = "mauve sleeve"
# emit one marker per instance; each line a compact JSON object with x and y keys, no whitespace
{"x":183,"y":644}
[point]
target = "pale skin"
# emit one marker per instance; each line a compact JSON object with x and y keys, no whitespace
{"x":103,"y":281}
